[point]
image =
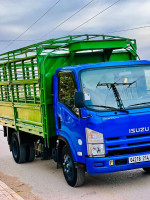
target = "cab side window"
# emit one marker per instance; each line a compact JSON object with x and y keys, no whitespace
{"x":66,"y":90}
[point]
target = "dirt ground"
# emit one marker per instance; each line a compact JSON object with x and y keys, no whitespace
{"x":20,"y":188}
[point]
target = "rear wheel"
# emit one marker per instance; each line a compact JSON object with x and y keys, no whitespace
{"x":74,"y":176}
{"x":147,"y":169}
{"x":18,"y":151}
{"x":30,"y":152}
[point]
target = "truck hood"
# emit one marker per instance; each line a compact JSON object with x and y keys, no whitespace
{"x":126,"y":124}
{"x":126,"y":132}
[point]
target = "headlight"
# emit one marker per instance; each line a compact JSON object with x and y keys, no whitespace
{"x":95,"y":143}
{"x":96,"y":149}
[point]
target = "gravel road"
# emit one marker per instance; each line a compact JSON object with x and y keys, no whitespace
{"x":41,"y":180}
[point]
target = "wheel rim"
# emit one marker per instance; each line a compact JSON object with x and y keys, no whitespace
{"x":68,"y":167}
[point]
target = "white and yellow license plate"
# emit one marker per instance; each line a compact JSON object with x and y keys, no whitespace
{"x":138,"y":159}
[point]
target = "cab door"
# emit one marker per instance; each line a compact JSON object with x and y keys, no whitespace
{"x":68,"y":124}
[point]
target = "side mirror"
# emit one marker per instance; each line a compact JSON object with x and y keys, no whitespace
{"x":79,"y":99}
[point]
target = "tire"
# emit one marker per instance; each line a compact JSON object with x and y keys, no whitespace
{"x":74,"y":176}
{"x":18,"y":151}
{"x":147,"y":169}
{"x":30,"y":152}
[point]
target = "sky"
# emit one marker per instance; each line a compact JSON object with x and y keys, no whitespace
{"x":29,"y":21}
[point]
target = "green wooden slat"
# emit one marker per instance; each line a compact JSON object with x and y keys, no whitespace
{"x":7,"y":79}
{"x":15,"y":74}
{"x":20,"y":82}
{"x":27,"y":73}
{"x":5,"y":89}
{"x":25,"y":92}
{"x":1,"y":88}
{"x":12,"y":94}
{"x":33,"y":77}
{"x":16,"y":60}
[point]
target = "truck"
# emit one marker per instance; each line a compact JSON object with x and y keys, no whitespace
{"x":81,"y":100}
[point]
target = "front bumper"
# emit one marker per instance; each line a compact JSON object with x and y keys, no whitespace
{"x":113,"y":163}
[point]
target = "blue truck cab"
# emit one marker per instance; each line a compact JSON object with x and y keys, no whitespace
{"x":102,"y":112}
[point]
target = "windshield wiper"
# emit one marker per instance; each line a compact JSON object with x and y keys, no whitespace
{"x":116,"y":84}
{"x":108,"y":107}
{"x":129,"y":84}
{"x":115,"y":91}
{"x":138,"y":104}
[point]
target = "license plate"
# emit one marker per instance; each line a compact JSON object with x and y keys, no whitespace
{"x":138,"y":159}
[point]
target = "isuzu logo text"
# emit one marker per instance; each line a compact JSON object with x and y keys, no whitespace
{"x":139,"y":130}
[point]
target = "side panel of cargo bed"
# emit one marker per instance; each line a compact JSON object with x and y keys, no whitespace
{"x":20,"y":106}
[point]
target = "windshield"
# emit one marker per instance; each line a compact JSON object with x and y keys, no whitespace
{"x":117,"y":87}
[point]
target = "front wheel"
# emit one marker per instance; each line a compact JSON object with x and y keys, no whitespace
{"x":74,"y":176}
